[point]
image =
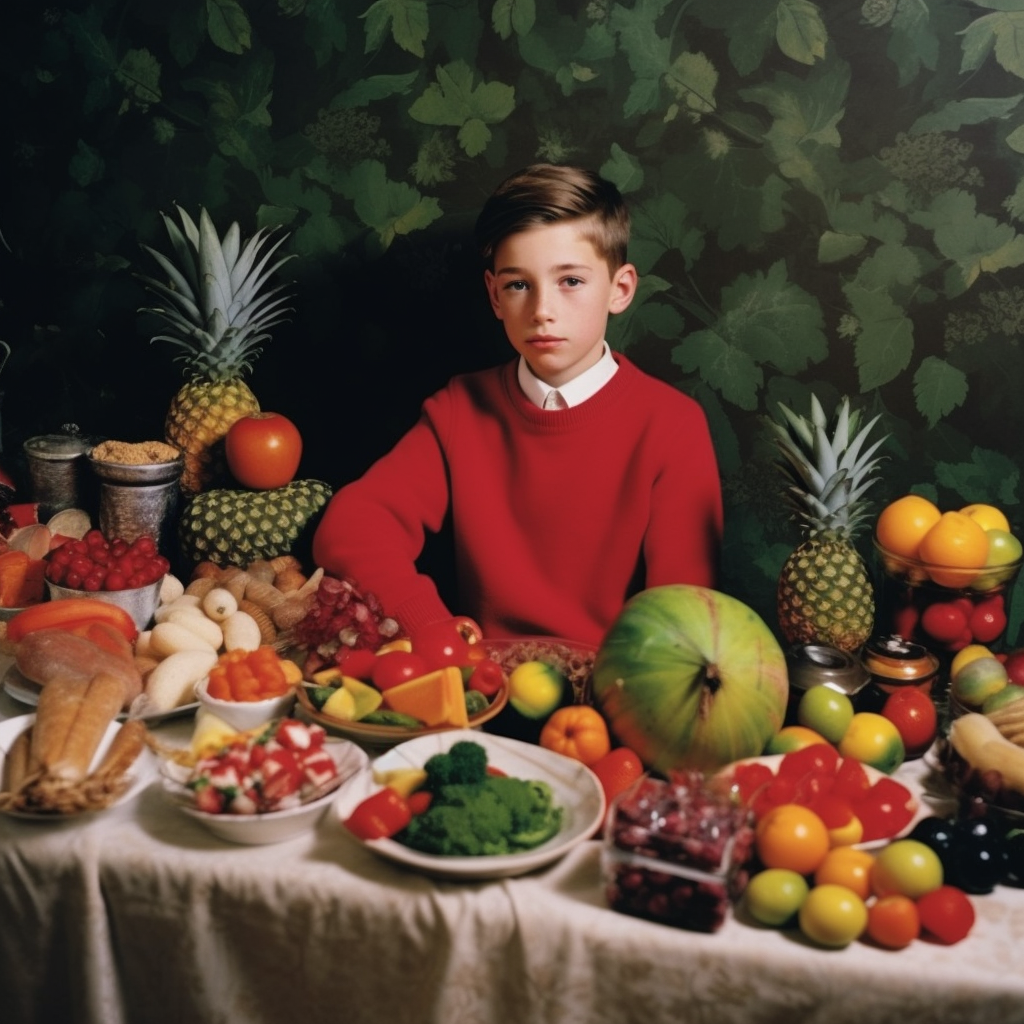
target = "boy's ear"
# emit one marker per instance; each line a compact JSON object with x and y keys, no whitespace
{"x":491,"y":284}
{"x":624,"y":283}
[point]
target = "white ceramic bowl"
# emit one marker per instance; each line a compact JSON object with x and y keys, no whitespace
{"x":139,"y":602}
{"x":244,"y":715}
{"x":274,"y":826}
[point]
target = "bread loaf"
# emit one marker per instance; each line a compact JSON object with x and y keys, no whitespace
{"x":48,"y":654}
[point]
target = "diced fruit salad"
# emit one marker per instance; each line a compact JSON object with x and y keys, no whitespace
{"x":283,"y":765}
{"x":439,"y":676}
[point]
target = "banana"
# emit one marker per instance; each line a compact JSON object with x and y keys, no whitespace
{"x":980,"y":743}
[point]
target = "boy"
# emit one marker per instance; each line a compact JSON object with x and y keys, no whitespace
{"x":572,"y":478}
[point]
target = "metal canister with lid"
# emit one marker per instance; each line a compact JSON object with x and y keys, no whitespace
{"x":57,"y":470}
{"x":895,"y":663}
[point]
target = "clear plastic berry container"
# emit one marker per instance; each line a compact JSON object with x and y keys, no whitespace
{"x":677,"y":851}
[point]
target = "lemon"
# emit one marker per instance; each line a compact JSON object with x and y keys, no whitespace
{"x":535,"y":689}
{"x":966,"y":655}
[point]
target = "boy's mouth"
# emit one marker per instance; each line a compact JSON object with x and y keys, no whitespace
{"x":544,"y":341}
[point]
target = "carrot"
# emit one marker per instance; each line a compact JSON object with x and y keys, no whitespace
{"x":70,"y":613}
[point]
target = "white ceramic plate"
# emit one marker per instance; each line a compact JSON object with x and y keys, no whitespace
{"x":274,"y":826}
{"x":576,"y":790}
{"x":140,"y":775}
{"x":921,"y":810}
{"x":24,"y":691}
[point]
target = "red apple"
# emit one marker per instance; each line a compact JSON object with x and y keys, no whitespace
{"x":1015,"y":666}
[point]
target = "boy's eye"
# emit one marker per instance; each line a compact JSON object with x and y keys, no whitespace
{"x":515,"y":286}
{"x":572,"y":282}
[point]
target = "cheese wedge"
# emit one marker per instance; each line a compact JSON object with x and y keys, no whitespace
{"x":437,"y":698}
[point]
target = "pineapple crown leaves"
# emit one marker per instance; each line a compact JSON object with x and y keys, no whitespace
{"x":828,"y":476}
{"x":220,"y":309}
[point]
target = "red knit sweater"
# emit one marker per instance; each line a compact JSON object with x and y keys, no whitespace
{"x":558,"y":517}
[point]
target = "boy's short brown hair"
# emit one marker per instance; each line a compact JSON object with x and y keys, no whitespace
{"x":550,"y":193}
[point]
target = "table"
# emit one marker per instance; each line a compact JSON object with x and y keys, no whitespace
{"x":139,"y":916}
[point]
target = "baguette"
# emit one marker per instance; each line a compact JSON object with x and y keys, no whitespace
{"x":59,"y":705}
{"x":110,"y":779}
{"x":97,"y":709}
{"x":16,"y":763}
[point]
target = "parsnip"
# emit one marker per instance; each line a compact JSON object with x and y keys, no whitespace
{"x":241,"y":632}
{"x":219,"y":604}
{"x":165,"y":611}
{"x":171,"y":637}
{"x":196,"y":620}
{"x":172,"y":683}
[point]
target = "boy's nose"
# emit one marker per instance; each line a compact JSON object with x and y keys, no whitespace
{"x":540,"y":305}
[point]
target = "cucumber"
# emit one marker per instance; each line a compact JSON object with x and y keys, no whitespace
{"x":385,"y":717}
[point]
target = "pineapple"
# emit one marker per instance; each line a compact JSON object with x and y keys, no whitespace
{"x":234,"y":527}
{"x":825,"y":595}
{"x":219,"y":311}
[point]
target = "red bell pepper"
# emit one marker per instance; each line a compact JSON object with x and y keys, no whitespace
{"x":380,"y":816}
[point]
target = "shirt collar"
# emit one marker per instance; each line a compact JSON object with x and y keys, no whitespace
{"x":575,"y":391}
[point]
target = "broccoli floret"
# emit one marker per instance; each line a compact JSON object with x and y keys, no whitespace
{"x":465,"y":762}
{"x":496,"y":815}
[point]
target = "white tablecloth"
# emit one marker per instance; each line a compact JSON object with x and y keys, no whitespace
{"x":139,"y":916}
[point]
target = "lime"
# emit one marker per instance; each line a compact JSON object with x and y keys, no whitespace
{"x":535,"y":689}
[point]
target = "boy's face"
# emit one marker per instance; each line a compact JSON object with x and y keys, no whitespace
{"x":553,"y":293}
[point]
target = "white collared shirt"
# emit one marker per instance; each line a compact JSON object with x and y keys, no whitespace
{"x":577,"y":390}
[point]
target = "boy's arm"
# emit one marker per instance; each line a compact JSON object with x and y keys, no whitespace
{"x":374,"y":528}
{"x":684,"y":536}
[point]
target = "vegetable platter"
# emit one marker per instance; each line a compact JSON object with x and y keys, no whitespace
{"x":576,"y":790}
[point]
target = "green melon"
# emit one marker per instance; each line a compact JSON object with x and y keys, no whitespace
{"x":691,"y":678}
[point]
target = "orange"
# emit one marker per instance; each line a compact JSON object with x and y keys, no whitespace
{"x":903,"y":523}
{"x":617,"y":771}
{"x":988,"y":517}
{"x":578,"y":731}
{"x":791,"y":836}
{"x":954,"y":548}
{"x":893,"y":921}
{"x":846,"y":865}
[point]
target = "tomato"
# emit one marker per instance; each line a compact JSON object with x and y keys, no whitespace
{"x":914,"y":715}
{"x":396,"y":667}
{"x":944,"y":621}
{"x":833,"y":915}
{"x":793,"y":837}
{"x":380,"y":816}
{"x":263,"y":450}
{"x":617,"y":771}
{"x":445,"y":642}
{"x":818,"y":758}
{"x":846,"y":865}
{"x":577,"y":731}
{"x":946,"y":914}
{"x":357,"y":662}
{"x":893,"y":922}
{"x":487,"y":678}
{"x":906,"y":867}
{"x":774,"y":896}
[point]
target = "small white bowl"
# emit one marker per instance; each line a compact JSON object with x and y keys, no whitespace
{"x":244,"y":715}
{"x":274,"y":826}
{"x":139,"y":602}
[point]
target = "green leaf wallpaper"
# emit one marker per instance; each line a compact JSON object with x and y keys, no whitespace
{"x":827,"y":198}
